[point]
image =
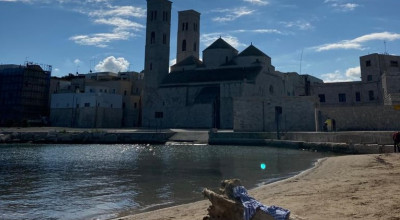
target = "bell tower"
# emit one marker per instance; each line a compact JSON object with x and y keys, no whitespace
{"x":157,"y":50}
{"x":156,"y":64}
{"x":188,"y":35}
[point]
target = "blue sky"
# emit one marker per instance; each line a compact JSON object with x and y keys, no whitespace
{"x":79,"y":35}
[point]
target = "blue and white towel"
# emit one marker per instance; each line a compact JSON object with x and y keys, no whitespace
{"x":251,"y":205}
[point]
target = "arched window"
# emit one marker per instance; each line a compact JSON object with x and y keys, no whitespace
{"x":271,"y":89}
{"x":184,"y":45}
{"x":153,"y":38}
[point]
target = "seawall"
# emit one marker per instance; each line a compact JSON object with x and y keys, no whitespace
{"x":357,"y":142}
{"x":84,"y":136}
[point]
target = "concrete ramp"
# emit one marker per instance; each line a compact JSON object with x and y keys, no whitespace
{"x":189,"y":136}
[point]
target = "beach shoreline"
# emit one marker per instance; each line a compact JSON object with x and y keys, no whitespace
{"x":340,"y":187}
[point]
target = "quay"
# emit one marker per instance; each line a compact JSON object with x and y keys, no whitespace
{"x":346,"y":142}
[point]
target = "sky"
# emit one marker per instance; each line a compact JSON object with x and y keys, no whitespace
{"x":322,"y":38}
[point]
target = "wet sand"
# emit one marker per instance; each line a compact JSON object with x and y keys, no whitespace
{"x":345,"y":187}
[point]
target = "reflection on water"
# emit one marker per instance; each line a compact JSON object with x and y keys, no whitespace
{"x":98,"y":181}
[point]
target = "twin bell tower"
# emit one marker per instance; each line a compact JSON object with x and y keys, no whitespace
{"x":158,"y":33}
{"x":157,"y":51}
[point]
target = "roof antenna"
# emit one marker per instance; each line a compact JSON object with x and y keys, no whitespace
{"x":301,"y":59}
{"x":386,"y":53}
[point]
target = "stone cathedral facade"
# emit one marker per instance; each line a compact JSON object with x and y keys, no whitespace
{"x":227,"y":89}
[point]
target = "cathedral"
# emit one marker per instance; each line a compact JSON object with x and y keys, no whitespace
{"x":227,"y":89}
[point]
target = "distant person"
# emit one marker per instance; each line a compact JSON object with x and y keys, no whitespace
{"x":396,"y":140}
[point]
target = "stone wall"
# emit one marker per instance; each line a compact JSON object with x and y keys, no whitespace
{"x":362,"y":118}
{"x":259,"y":114}
{"x":179,"y":109}
{"x":86,"y":117}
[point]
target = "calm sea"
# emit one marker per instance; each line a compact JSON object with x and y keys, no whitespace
{"x":103,"y":181}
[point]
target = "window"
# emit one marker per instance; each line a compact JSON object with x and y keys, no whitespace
{"x":123,"y":105}
{"x":125,"y":93}
{"x":164,"y":39}
{"x":135,"y":105}
{"x":394,"y":63}
{"x":111,"y":105}
{"x":358,"y":97}
{"x":194,"y":46}
{"x":183,"y":26}
{"x":77,"y":105}
{"x":153,"y":38}
{"x":342,"y":97}
{"x":369,"y":78}
{"x":151,"y":66}
{"x":184,"y":45}
{"x":186,"y":26}
{"x":271,"y":89}
{"x":87,"y":104}
{"x":159,"y":115}
{"x":368,"y":63}
{"x":226,"y":59}
{"x":153,"y":15}
{"x":165,"y":16}
{"x":321,"y":97}
{"x":371,"y":95}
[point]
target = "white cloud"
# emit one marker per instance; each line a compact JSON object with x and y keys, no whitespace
{"x":112,"y":64}
{"x":232,"y":14}
{"x":208,"y":39}
{"x":120,"y":23}
{"x":357,"y":43}
{"x":261,"y":31}
{"x":354,"y":73}
{"x":77,"y":62}
{"x":123,"y":28}
{"x":341,"y":5}
{"x":351,"y":74}
{"x":121,"y":11}
{"x":115,"y":16}
{"x":302,"y":25}
{"x":100,"y":39}
{"x":257,"y":2}
{"x":345,"y":7}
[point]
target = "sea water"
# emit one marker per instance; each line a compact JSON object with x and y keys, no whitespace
{"x":104,"y":181}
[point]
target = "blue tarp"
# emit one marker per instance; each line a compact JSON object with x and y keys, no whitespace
{"x":251,"y":205}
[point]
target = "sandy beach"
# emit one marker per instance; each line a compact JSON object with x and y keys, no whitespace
{"x":344,"y":187}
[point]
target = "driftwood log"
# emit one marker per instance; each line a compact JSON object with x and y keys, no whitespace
{"x":225,"y":207}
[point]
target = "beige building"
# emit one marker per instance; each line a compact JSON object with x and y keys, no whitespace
{"x":102,"y":99}
{"x":369,"y":104}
